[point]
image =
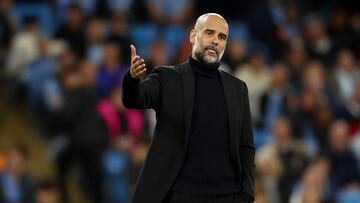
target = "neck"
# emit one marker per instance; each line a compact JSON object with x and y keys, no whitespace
{"x":208,"y":70}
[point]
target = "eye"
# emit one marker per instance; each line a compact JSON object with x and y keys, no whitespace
{"x":222,"y":37}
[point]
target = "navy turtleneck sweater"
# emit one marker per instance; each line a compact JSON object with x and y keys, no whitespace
{"x":207,"y":169}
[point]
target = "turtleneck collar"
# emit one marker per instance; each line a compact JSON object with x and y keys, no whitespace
{"x":203,"y":69}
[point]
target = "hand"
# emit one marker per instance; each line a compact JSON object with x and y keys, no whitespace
{"x":138,"y":66}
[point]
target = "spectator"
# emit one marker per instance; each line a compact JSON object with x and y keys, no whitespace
{"x":289,"y":27}
{"x":155,"y":59}
{"x":344,"y":171}
{"x":170,"y":13}
{"x":53,"y":89}
{"x":236,"y":54}
{"x":263,"y":27}
{"x":116,"y":179}
{"x":350,"y":110}
{"x":7,"y":28}
{"x":87,"y":6}
{"x":54,"y":97}
{"x":355,"y":27}
{"x":269,"y":168}
{"x":37,"y":73}
{"x":138,"y":155}
{"x":340,"y":31}
{"x":313,"y":186}
{"x":72,"y":30}
{"x":111,"y":70}
{"x":95,"y":35}
{"x":24,"y":49}
{"x":315,"y":79}
{"x":119,"y":121}
{"x":319,"y":44}
{"x":87,"y":134}
{"x":257,"y":77}
{"x":296,"y":59}
{"x":112,"y":7}
{"x":346,"y":74}
{"x":16,"y":184}
{"x":286,"y":156}
{"x":303,"y":118}
{"x":119,"y":35}
{"x":47,"y":191}
{"x":275,"y":102}
{"x":260,"y":194}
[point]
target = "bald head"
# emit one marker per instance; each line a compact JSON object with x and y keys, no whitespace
{"x":203,"y":19}
{"x":209,"y":38}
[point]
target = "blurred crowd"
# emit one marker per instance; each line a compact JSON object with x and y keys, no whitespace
{"x":63,"y":61}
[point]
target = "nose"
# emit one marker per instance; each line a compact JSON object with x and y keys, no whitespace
{"x":215,"y":40}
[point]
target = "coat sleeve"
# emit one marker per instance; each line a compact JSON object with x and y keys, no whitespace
{"x":142,"y":94}
{"x":247,"y":150}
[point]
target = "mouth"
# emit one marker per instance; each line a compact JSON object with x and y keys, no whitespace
{"x":211,"y":52}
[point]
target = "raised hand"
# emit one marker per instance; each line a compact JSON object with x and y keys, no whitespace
{"x":138,"y":66}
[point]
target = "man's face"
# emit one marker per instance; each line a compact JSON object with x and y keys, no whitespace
{"x":209,"y":38}
{"x":16,"y":162}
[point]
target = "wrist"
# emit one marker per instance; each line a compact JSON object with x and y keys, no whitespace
{"x":131,"y":74}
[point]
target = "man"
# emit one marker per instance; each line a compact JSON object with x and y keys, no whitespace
{"x":202,"y":150}
{"x":16,"y":184}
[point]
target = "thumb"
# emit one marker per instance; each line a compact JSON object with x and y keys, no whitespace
{"x":133,"y":51}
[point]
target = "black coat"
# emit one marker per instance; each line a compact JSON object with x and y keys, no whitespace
{"x":169,"y":90}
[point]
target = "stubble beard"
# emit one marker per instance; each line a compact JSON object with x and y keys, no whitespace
{"x":206,"y":59}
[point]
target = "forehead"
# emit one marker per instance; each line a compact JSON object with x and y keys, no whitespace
{"x":214,"y":23}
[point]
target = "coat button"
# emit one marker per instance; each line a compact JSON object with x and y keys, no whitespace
{"x":181,"y":156}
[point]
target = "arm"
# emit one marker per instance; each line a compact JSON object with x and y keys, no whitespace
{"x":139,"y":93}
{"x":247,"y":151}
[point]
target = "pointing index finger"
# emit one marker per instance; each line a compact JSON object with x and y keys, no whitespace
{"x":133,"y":51}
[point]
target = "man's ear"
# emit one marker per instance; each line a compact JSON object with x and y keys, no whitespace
{"x":192,"y":36}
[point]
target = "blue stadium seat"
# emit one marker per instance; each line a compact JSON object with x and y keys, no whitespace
{"x":239,"y":30}
{"x":173,"y":37}
{"x":261,"y":47}
{"x":42,"y":11}
{"x":348,"y":196}
{"x":261,"y":137}
{"x":142,"y":35}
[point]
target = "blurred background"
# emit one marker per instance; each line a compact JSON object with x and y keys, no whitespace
{"x":66,"y":137}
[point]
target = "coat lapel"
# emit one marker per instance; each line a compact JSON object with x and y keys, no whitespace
{"x":230,"y":97}
{"x":188,"y":90}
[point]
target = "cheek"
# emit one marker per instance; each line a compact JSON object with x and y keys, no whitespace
{"x":199,"y":45}
{"x":203,"y":41}
{"x":222,"y":46}
{"x":221,"y":49}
